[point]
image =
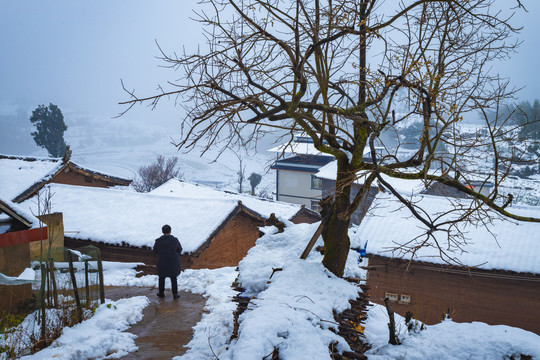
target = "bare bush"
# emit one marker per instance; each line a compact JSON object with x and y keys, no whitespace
{"x":157,"y":173}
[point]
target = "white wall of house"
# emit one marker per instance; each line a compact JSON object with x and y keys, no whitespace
{"x":296,"y":187}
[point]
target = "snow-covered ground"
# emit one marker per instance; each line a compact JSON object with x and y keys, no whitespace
{"x":292,"y":311}
{"x":103,"y":336}
{"x":448,"y":340}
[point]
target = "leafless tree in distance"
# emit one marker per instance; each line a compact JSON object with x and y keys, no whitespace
{"x":157,"y":173}
{"x":337,"y":70}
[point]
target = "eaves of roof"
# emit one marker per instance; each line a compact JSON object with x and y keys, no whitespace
{"x":295,"y":167}
{"x":14,"y":214}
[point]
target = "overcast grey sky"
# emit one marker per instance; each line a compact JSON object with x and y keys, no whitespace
{"x":74,"y":53}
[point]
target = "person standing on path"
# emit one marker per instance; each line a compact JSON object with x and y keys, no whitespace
{"x":168,"y":249}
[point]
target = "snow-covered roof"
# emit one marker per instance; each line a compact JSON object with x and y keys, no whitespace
{"x":298,"y":148}
{"x":21,"y":175}
{"x":502,"y":244}
{"x":302,"y":144}
{"x":18,"y":173}
{"x":264,"y":207}
{"x":405,"y":187}
{"x":125,"y":217}
{"x":18,"y":212}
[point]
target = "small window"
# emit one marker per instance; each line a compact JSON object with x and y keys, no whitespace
{"x":391,"y":296}
{"x":405,"y":299}
{"x":316,"y":183}
{"x":315,"y":206}
{"x":88,"y":179}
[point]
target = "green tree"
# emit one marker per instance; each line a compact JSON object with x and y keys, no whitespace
{"x":528,"y":117}
{"x":50,"y":128}
{"x":254,"y":180}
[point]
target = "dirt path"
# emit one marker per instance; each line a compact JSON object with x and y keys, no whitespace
{"x":166,"y":325}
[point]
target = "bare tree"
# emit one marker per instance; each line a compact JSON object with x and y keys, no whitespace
{"x":337,"y":71}
{"x":241,"y":173}
{"x":153,"y":175}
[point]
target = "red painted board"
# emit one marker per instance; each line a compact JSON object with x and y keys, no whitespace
{"x":22,"y":237}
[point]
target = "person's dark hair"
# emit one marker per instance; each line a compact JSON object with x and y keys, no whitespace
{"x":166,"y":229}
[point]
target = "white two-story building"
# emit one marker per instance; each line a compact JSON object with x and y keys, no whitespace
{"x":295,"y":175}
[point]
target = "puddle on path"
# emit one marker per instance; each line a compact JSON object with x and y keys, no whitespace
{"x":166,"y":325}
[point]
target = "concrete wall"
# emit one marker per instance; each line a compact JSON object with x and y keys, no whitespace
{"x":496,"y":298}
{"x":295,"y":187}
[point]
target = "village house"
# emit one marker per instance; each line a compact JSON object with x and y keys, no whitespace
{"x":24,"y":238}
{"x":488,"y":271}
{"x":295,"y":175}
{"x":123,"y":224}
{"x":21,"y":177}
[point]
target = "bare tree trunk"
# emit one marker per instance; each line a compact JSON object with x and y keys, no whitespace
{"x":53,"y":281}
{"x":42,"y":302}
{"x":336,"y":244}
{"x":335,"y":233}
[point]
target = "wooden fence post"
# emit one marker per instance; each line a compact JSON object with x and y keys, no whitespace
{"x":75,"y":290}
{"x":87,"y":285}
{"x":53,"y":280}
{"x":100,"y":275}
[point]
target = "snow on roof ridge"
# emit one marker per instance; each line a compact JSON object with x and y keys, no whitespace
{"x":122,"y":191}
{"x":18,"y":210}
{"x":97,"y":172}
{"x":29,"y":158}
{"x":229,"y":192}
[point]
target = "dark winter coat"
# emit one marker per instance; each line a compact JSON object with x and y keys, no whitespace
{"x":167,"y":247}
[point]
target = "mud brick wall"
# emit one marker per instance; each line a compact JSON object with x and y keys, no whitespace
{"x":493,"y":297}
{"x":230,"y":245}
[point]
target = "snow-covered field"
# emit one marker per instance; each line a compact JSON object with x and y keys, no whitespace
{"x":108,"y":145}
{"x":292,"y":312}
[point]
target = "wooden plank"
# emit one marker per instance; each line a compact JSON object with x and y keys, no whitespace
{"x":312,"y":241}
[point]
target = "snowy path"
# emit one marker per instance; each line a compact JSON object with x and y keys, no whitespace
{"x":166,"y":325}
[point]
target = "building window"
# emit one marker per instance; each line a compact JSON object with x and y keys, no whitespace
{"x":391,"y":296}
{"x":405,"y":299}
{"x":316,"y":183}
{"x":315,"y":206}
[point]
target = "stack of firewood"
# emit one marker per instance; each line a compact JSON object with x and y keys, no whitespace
{"x":242,"y":302}
{"x":351,"y":327}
